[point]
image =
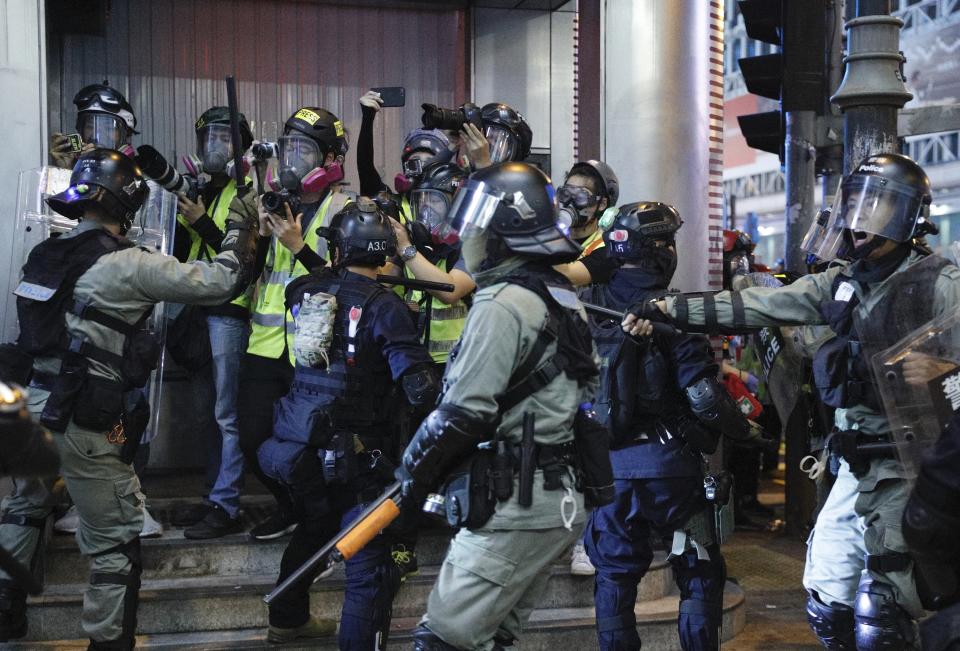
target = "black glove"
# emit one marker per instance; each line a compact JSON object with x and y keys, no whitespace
{"x":844,"y":444}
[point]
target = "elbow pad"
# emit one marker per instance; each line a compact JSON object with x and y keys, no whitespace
{"x":445,"y":437}
{"x":714,"y":407}
{"x":421,"y":385}
{"x":241,"y":240}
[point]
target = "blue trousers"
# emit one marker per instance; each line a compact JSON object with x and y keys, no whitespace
{"x":617,"y":539}
{"x":372,"y":577}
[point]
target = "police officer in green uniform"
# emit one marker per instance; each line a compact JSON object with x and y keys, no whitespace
{"x":859,"y":575}
{"x":524,"y":364}
{"x":310,"y":166}
{"x":82,"y":304}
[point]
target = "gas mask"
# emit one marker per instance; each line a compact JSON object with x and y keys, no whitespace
{"x":574,"y":201}
{"x":214,"y":147}
{"x":301,"y":168}
{"x":429,"y":210}
{"x":105,"y":130}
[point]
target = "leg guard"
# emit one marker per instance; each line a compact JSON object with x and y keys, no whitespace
{"x":131,"y":597}
{"x":881,"y":624}
{"x":372,"y":581}
{"x":13,"y":611}
{"x":426,"y":640}
{"x":833,"y":625}
{"x":701,"y":584}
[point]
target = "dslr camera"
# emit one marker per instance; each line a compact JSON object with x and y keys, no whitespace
{"x":275,"y":201}
{"x":447,"y":119}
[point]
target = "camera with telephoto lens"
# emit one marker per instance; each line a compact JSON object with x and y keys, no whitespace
{"x":155,"y":166}
{"x":274,"y":202}
{"x":265,"y":150}
{"x":435,"y":117}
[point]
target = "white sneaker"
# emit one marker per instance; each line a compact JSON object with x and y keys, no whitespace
{"x":69,"y":523}
{"x":151,"y":528}
{"x":580,"y":563}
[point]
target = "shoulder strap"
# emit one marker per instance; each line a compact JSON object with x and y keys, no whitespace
{"x":531,"y":376}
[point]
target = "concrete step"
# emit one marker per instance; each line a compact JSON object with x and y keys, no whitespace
{"x":224,"y":602}
{"x":549,"y":629}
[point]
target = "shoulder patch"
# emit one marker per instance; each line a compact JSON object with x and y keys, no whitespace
{"x":35,"y":292}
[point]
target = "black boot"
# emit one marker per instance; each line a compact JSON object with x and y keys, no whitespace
{"x":13,"y":612}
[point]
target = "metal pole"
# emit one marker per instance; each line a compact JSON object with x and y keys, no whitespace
{"x":830,"y":162}
{"x":800,"y":156}
{"x":872,"y":90}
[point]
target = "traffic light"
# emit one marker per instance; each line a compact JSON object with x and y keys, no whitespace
{"x":795,"y":75}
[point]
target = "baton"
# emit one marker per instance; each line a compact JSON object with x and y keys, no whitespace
{"x":235,"y":139}
{"x":413,"y":283}
{"x":350,"y":540}
{"x":658,"y":328}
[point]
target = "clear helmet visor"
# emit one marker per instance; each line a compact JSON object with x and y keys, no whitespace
{"x":865,"y":204}
{"x":299,"y":154}
{"x":104,"y":130}
{"x":502,"y":143}
{"x":472,"y":210}
{"x":429,"y":207}
{"x":215,"y":147}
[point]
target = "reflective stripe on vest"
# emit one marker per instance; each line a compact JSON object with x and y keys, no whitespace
{"x":446,"y":321}
{"x":268,"y":320}
{"x":201,"y":251}
{"x":592,"y":243}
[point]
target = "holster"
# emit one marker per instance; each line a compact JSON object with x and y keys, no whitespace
{"x":469,"y":496}
{"x":59,"y":407}
{"x":99,"y":404}
{"x":339,"y":458}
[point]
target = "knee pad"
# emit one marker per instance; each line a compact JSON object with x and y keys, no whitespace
{"x":131,"y":597}
{"x":833,"y":625}
{"x":880,"y":623}
{"x":426,"y":640}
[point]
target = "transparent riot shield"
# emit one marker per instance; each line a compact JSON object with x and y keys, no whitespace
{"x":153,"y":229}
{"x":919,"y":382}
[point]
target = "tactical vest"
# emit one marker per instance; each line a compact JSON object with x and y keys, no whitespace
{"x":841,"y":366}
{"x":218,"y":211}
{"x":446,"y":321}
{"x":270,"y":325}
{"x":355,"y":391}
{"x":45,"y":296}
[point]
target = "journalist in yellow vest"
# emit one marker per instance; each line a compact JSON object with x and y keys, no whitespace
{"x":301,"y":198}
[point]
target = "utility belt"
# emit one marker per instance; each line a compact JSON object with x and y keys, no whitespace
{"x":471,"y":493}
{"x":859,"y":449}
{"x":94,"y":403}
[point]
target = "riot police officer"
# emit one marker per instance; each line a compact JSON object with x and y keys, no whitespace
{"x":104,"y":119}
{"x":200,"y":230}
{"x":312,"y":150}
{"x":860,"y":578}
{"x":663,"y":418}
{"x":589,"y":192}
{"x":523,"y":384}
{"x":82,"y":304}
{"x":331,"y":445}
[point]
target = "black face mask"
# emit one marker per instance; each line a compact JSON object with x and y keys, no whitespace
{"x":658,"y":262}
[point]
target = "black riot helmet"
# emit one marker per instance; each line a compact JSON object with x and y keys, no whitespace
{"x":214,"y":139}
{"x":642,"y":234}
{"x":360,"y":234}
{"x":507,"y":132}
{"x":321,"y":126}
{"x":887,"y":196}
{"x":508,"y":210}
{"x":107,"y":179}
{"x":607,"y":183}
{"x":433,"y":142}
{"x":104,"y":116}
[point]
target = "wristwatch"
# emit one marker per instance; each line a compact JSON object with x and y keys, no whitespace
{"x":408,"y":253}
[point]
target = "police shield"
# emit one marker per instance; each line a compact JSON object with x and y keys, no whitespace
{"x":919,"y":382}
